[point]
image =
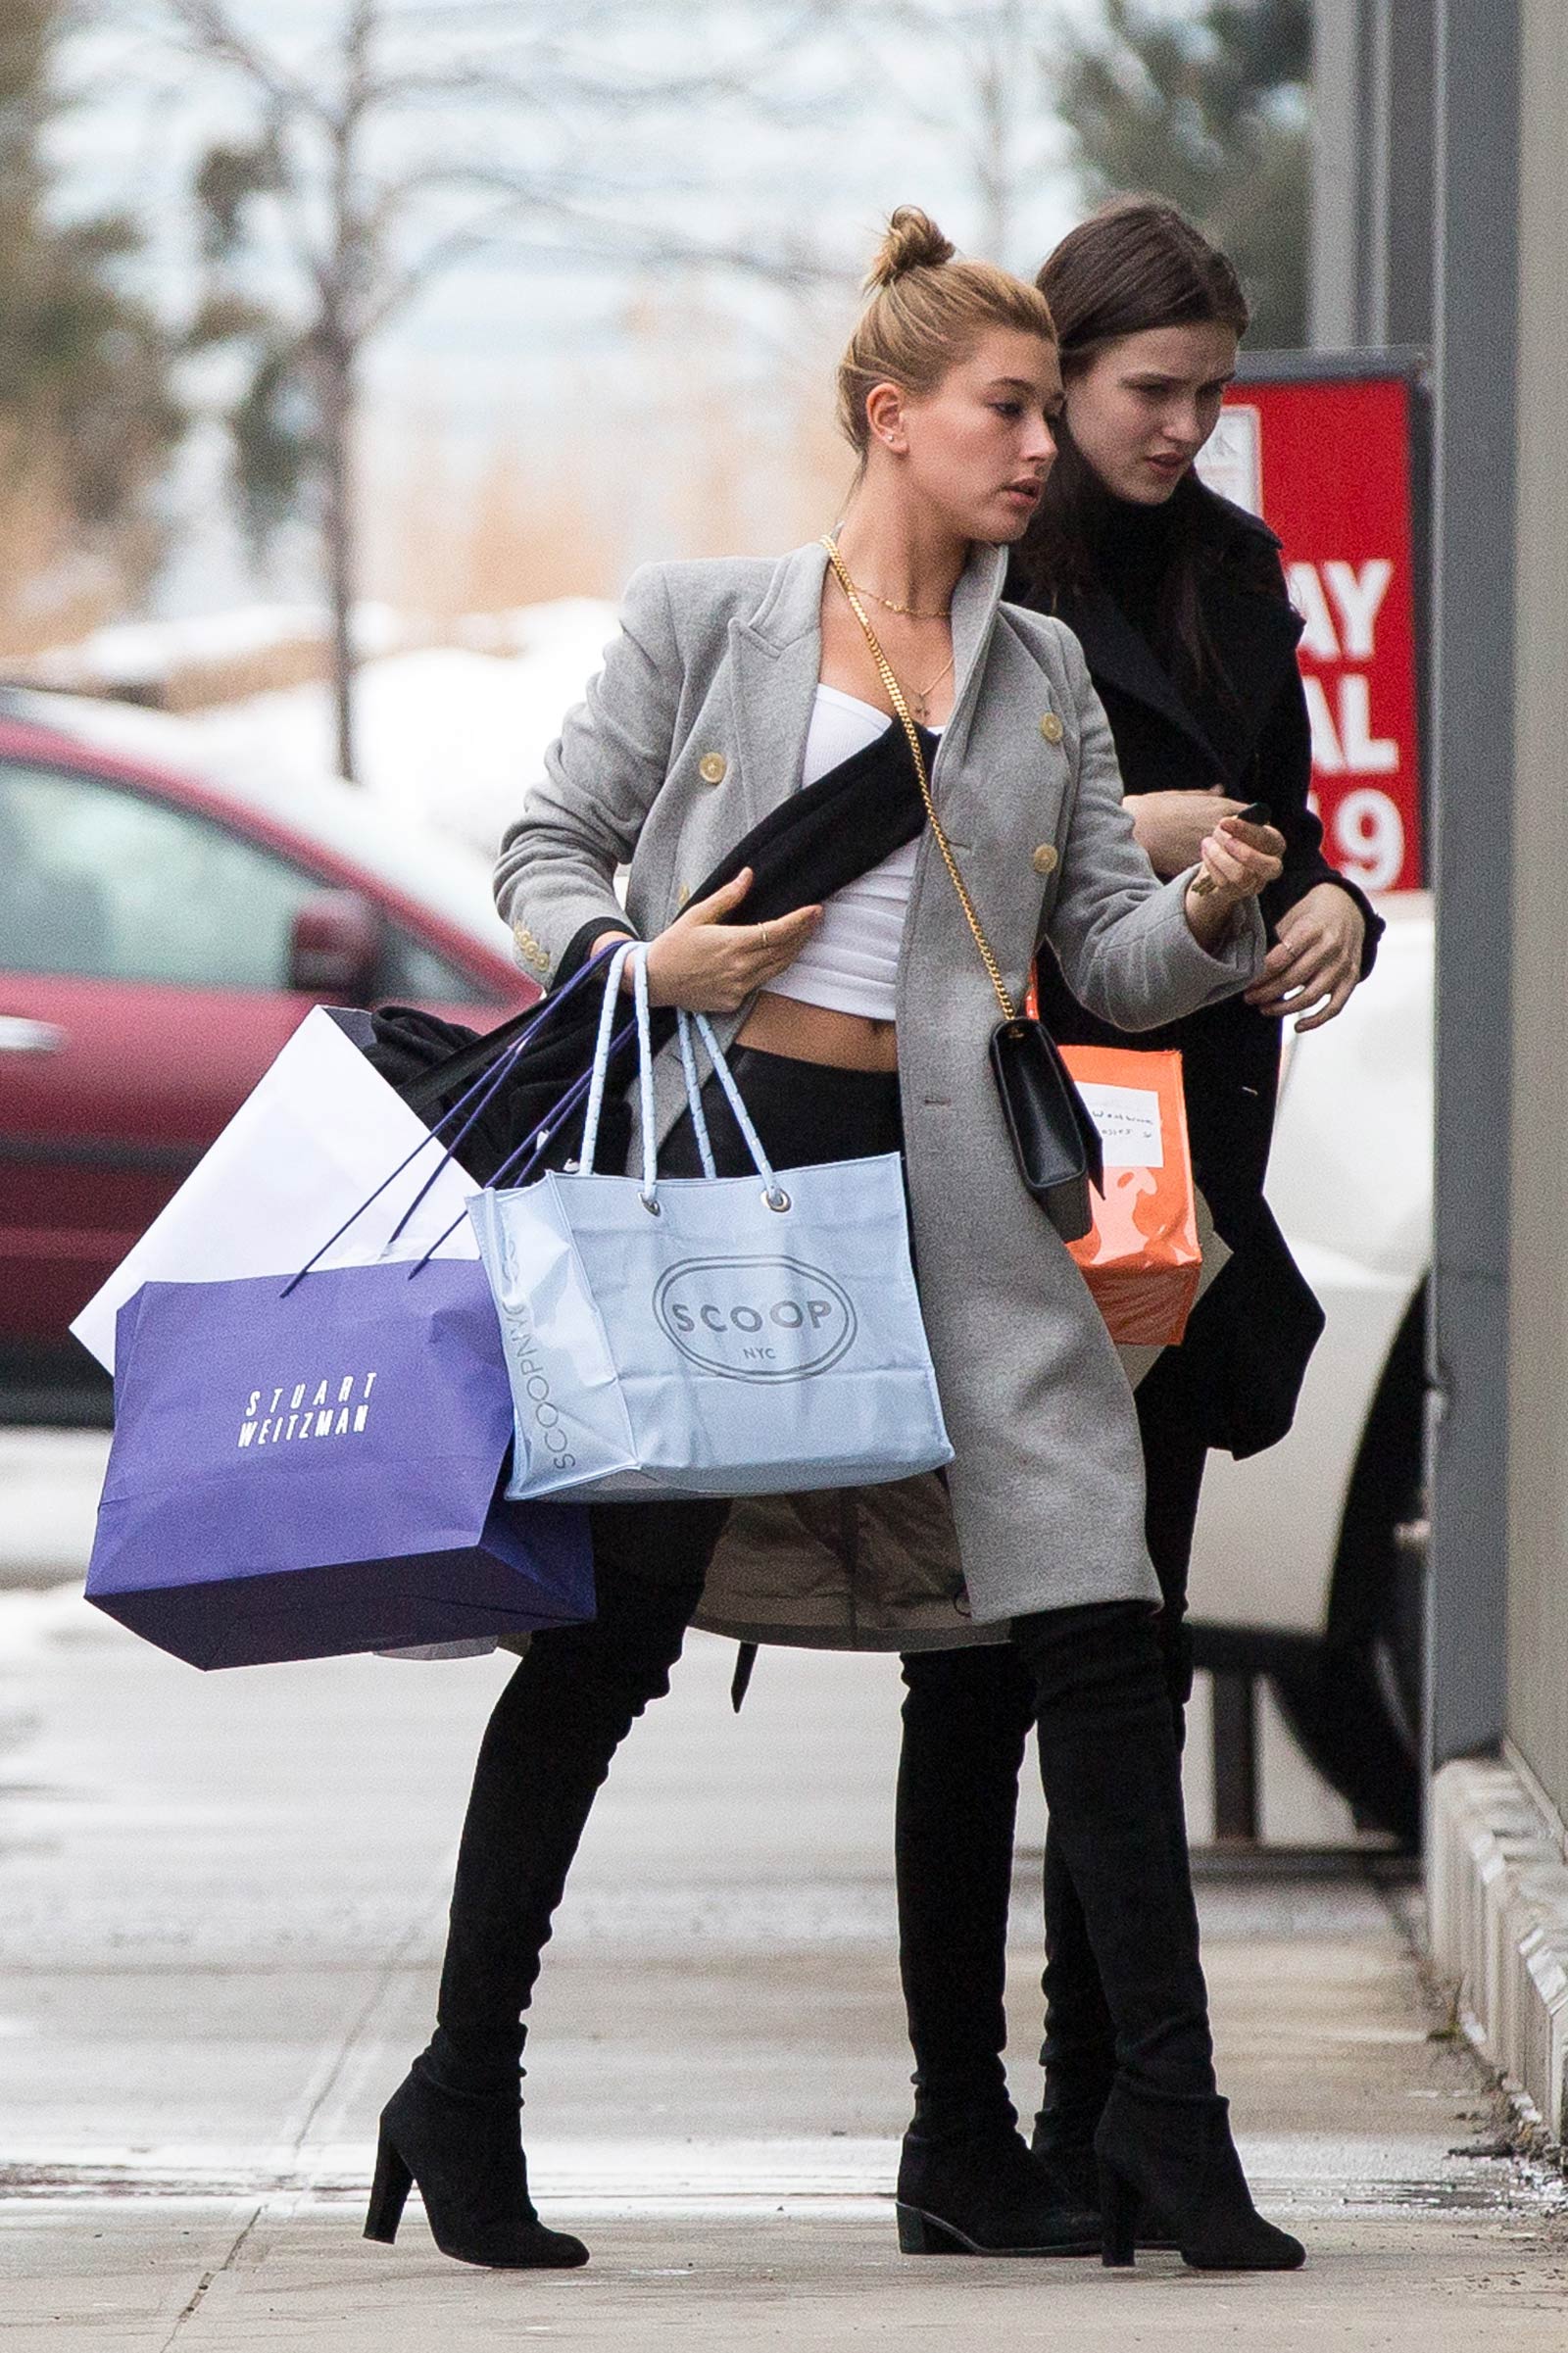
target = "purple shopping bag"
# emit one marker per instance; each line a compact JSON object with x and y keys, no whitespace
{"x":303,"y":1470}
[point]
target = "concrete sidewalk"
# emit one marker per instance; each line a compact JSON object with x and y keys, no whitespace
{"x":221,"y":1903}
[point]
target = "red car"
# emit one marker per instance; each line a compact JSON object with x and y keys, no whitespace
{"x":160,"y":938}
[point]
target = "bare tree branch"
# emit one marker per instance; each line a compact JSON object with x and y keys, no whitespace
{"x":606,"y":244}
{"x":376,"y":201}
{"x":210,"y":33}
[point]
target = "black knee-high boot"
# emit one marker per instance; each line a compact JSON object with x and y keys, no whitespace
{"x":966,"y":1718}
{"x":546,"y":1753}
{"x":967,"y":2182}
{"x":1079,"y":2051}
{"x":1111,"y":1773}
{"x":453,"y":2124}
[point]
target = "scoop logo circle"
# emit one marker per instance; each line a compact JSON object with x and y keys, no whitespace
{"x":755,"y":1319}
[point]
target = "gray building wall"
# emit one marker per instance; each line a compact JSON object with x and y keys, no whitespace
{"x":1537,"y":1348}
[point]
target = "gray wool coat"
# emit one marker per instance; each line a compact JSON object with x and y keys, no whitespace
{"x":694,"y":731}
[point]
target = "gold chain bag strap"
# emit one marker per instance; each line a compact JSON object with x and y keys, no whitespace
{"x":1054,"y":1141}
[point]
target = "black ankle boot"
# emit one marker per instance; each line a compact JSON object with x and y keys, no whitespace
{"x":1067,"y":2160}
{"x":1175,"y":2161}
{"x":466,"y":2155}
{"x":980,"y":2192}
{"x":1065,"y":2151}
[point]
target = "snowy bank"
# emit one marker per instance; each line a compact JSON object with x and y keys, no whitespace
{"x":450,"y":735}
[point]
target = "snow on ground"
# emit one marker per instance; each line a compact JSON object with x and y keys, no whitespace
{"x":142,"y":654}
{"x":447,"y":733}
{"x":453,"y":735}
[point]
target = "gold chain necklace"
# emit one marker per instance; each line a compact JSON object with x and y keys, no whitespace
{"x":911,"y":612}
{"x":919,"y":695}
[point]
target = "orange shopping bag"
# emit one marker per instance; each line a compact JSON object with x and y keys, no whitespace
{"x":1143,"y":1260}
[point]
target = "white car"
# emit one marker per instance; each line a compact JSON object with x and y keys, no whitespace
{"x":1307,"y":1563}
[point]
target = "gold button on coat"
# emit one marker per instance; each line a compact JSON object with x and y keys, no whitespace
{"x":682,"y":895}
{"x":1044,"y":860}
{"x":1051,"y":728}
{"x":713,"y":767}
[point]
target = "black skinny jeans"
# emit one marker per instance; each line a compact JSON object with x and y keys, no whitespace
{"x":967,"y":1719}
{"x":579,"y":1688}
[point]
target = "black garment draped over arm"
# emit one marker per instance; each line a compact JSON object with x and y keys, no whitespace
{"x":826,"y":835}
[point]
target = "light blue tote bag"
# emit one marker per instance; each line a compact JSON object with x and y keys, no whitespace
{"x":707,"y":1336}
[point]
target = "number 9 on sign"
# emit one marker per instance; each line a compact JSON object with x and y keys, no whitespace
{"x":1369,"y":838}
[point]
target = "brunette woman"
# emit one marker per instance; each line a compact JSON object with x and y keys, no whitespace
{"x":740,"y":753}
{"x":1179,"y":601}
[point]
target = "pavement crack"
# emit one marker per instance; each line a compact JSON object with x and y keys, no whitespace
{"x":206,"y":2278}
{"x":361,"y":2021}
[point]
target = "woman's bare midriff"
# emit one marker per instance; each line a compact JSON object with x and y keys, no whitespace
{"x":814,"y":1033}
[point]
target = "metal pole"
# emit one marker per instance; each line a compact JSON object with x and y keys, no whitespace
{"x":1337,"y":177}
{"x":1471,"y":733}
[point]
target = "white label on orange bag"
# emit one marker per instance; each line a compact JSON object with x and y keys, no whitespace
{"x":1128,"y":1120}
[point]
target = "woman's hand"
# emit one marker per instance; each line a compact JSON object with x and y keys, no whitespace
{"x":707,"y":965}
{"x":1239,"y":861}
{"x":1314,"y":969}
{"x":1170,"y":828}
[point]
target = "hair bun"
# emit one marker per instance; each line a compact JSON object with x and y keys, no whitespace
{"x":913,"y":241}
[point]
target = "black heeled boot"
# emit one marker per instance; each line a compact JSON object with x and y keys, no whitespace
{"x":978,"y":2191}
{"x":966,"y":2181}
{"x":1111,"y":1772}
{"x":467,"y":2158}
{"x":1078,"y":2055}
{"x":1064,"y":2148}
{"x":453,"y":2126}
{"x":1079,"y":2052}
{"x":1174,"y":2161}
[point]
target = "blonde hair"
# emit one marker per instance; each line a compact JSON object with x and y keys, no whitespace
{"x":926,"y":314}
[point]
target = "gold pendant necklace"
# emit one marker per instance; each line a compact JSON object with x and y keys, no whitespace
{"x":921,"y":696}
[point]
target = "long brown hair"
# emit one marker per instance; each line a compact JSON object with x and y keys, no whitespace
{"x":926,"y":314}
{"x":1136,"y":264}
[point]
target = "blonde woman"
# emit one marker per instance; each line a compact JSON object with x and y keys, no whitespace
{"x":745,"y":702}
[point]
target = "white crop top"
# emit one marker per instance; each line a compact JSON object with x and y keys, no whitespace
{"x":851,"y":964}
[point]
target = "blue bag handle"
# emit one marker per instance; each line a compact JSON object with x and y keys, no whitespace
{"x":694,"y":1092}
{"x":608,"y":1043}
{"x":485,"y":1086}
{"x":773,"y":1191}
{"x":637,"y":954}
{"x":600,"y":1068}
{"x":532,"y":1147}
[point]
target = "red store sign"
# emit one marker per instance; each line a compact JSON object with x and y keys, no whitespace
{"x":1327,"y":463}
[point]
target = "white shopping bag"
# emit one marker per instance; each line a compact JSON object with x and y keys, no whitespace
{"x":313,"y":1140}
{"x":708,"y":1335}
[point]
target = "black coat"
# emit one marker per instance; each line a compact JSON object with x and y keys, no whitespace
{"x":1249,"y":1340}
